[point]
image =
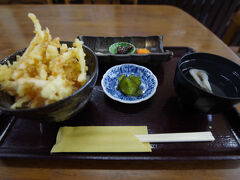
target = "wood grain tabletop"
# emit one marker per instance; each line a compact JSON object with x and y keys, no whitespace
{"x":69,"y":21}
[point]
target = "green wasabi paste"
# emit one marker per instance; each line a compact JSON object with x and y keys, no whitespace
{"x":130,"y":86}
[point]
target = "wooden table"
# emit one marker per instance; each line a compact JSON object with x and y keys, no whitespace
{"x":68,"y":21}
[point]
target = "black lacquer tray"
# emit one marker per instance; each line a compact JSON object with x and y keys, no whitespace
{"x":100,"y":45}
{"x":21,"y":138}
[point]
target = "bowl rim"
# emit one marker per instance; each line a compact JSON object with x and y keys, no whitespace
{"x":51,"y":105}
{"x":125,"y":101}
{"x":219,"y":58}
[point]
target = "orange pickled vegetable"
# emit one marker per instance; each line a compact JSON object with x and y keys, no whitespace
{"x":142,"y":51}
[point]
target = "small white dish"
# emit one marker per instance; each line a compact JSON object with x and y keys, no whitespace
{"x":110,"y":82}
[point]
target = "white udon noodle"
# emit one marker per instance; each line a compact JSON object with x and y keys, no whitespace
{"x":201,"y":77}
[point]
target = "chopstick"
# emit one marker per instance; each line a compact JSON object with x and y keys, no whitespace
{"x":177,"y":137}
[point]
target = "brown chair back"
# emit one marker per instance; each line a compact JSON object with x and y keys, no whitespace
{"x":26,"y":1}
{"x":95,"y":1}
{"x":214,"y":14}
{"x":232,"y":36}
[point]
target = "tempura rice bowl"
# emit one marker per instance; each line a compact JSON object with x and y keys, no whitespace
{"x":62,"y":109}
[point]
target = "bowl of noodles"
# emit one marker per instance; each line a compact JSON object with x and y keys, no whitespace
{"x":50,"y":80}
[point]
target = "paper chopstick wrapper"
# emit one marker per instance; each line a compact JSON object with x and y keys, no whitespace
{"x":100,"y":139}
{"x":177,"y":137}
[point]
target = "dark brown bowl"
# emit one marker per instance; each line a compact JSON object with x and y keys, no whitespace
{"x":60,"y":110}
{"x":224,"y":78}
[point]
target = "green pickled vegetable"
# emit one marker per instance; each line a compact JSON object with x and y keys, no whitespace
{"x":129,"y":86}
{"x":136,"y":79}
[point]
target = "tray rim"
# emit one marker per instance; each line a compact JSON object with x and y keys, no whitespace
{"x":112,"y":157}
{"x":140,"y":156}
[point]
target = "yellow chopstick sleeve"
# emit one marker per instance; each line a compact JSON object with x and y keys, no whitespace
{"x":100,"y":139}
